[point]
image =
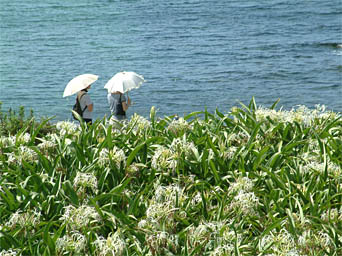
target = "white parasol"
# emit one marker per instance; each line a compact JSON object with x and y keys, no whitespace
{"x":124,"y":82}
{"x":79,"y":83}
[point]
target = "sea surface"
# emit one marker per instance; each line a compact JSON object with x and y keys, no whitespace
{"x":193,"y":54}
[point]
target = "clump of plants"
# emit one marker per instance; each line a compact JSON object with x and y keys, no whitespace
{"x":253,"y":181}
{"x":16,"y":121}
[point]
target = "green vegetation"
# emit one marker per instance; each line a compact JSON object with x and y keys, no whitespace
{"x":254,"y":181}
{"x":12,"y":123}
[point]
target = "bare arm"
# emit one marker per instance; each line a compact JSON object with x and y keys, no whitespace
{"x":90,"y":107}
{"x":125,"y":105}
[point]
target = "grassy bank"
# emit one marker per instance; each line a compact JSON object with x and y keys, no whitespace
{"x":254,"y":181}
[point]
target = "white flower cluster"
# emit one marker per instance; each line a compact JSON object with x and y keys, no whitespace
{"x":333,"y":169}
{"x":178,"y":125}
{"x":161,"y":242}
{"x":77,"y":218}
{"x":242,"y":183}
{"x":65,"y":127}
{"x":7,"y":141}
{"x":332,"y":214}
{"x":223,"y":250}
{"x":167,"y":158}
{"x":24,"y":138}
{"x":216,"y":236}
{"x":113,"y":245}
{"x":138,"y":123}
{"x":229,"y":152}
{"x":281,"y":243}
{"x":10,"y":252}
{"x":24,"y":153}
{"x":181,"y":146}
{"x":239,"y":138}
{"x":27,"y":154}
{"x":50,"y":141}
{"x":45,"y":144}
{"x":197,"y":199}
{"x":163,"y":202}
{"x":85,"y":180}
{"x":12,"y":140}
{"x":30,"y":218}
{"x":170,"y":193}
{"x":71,"y":243}
{"x":164,"y":159}
{"x":309,"y":239}
{"x":134,"y":168}
{"x":162,"y":208}
{"x":244,"y":200}
{"x":116,"y":155}
{"x":301,"y":114}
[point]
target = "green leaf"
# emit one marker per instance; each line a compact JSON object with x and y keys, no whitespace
{"x":260,"y":157}
{"x":9,"y":198}
{"x":275,"y":104}
{"x":70,"y":192}
{"x":47,"y":238}
{"x":132,"y":155}
{"x":273,"y":160}
{"x":36,"y":130}
{"x":253,"y":135}
{"x":275,"y":224}
{"x":8,"y":241}
{"x":215,"y":173}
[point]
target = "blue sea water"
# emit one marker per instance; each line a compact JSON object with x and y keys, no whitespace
{"x":194,"y":54}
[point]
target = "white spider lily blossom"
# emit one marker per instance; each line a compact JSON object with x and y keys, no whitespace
{"x":27,"y":154}
{"x":332,"y":214}
{"x":114,"y":244}
{"x":85,"y":180}
{"x":161,"y":242}
{"x":169,"y":193}
{"x":77,"y":218}
{"x":7,"y":141}
{"x":333,"y":169}
{"x":10,"y":141}
{"x":282,"y":243}
{"x":223,"y":250}
{"x":301,"y":114}
{"x":180,"y":146}
{"x":65,"y":127}
{"x":30,"y":218}
{"x":229,"y":152}
{"x":216,"y":236}
{"x":138,"y":123}
{"x":179,"y":125}
{"x":71,"y":243}
{"x":51,"y":140}
{"x":10,"y":252}
{"x":310,"y":239}
{"x":24,"y":153}
{"x":244,"y":200}
{"x":162,"y":207}
{"x":242,"y":183}
{"x":46,"y":144}
{"x":116,"y":155}
{"x":164,"y":159}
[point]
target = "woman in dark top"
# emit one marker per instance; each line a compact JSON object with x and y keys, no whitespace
{"x":118,"y":105}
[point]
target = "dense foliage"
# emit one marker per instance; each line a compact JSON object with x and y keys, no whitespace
{"x":254,"y":181}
